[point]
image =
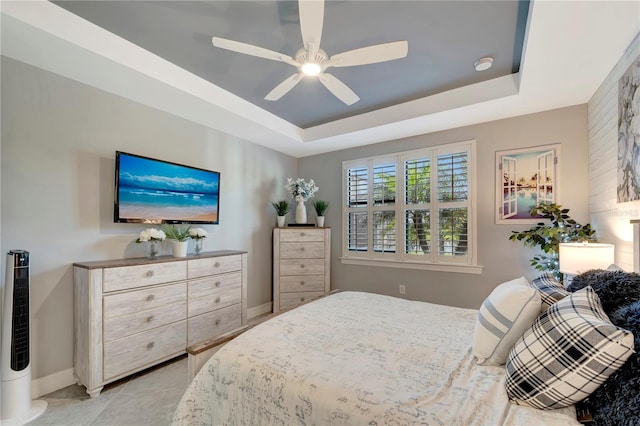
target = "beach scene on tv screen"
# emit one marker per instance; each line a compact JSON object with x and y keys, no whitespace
{"x":154,"y":190}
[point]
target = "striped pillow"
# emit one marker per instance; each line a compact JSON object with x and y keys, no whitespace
{"x":569,"y":351}
{"x":550,"y":290}
{"x":504,"y":316}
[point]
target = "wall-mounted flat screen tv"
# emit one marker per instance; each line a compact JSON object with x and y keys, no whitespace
{"x":155,"y":191}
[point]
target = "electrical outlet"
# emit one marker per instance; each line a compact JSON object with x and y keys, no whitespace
{"x":402,"y":289}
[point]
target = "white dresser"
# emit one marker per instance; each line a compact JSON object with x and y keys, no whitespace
{"x":130,"y":314}
{"x":301,"y":265}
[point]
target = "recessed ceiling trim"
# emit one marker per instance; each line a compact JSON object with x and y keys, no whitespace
{"x":447,"y":101}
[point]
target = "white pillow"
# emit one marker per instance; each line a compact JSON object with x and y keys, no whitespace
{"x":504,"y":316}
{"x":570,"y":350}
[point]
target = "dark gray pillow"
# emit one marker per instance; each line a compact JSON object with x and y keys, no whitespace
{"x":615,"y":289}
{"x":616,"y":401}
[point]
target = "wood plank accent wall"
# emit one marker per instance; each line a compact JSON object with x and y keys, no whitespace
{"x":609,"y":218}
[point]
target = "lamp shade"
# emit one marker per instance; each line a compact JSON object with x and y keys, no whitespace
{"x":576,"y":258}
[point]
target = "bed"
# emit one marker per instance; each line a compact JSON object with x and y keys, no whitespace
{"x":357,"y":358}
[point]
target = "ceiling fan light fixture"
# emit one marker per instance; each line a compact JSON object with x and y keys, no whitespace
{"x":310,"y":68}
{"x":483,"y":64}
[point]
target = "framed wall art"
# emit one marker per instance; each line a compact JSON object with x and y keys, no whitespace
{"x":629,"y":134}
{"x":524,"y":178}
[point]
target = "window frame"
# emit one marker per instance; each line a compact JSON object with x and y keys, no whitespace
{"x":399,"y":259}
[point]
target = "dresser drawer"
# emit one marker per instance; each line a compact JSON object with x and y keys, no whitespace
{"x":294,"y":283}
{"x":301,"y":235}
{"x":135,"y":351}
{"x":301,"y":266}
{"x":289,"y":300}
{"x":221,"y":299}
{"x":302,"y":250}
{"x":127,"y":277}
{"x":212,"y":324}
{"x":214,"y":265}
{"x":207,"y":286}
{"x":131,"y":302}
{"x":136,"y":311}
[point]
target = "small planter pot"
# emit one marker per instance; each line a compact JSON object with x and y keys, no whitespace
{"x":179,"y":248}
{"x":320,"y":221}
{"x":281,"y":221}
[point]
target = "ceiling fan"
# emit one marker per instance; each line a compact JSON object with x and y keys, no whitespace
{"x":313,"y":61}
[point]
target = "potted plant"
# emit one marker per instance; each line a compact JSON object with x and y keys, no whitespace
{"x":179,"y":236}
{"x":282,"y":208}
{"x":321,"y":207}
{"x":301,"y":191}
{"x":559,"y":228}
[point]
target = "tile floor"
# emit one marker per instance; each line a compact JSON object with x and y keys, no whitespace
{"x":146,"y":398}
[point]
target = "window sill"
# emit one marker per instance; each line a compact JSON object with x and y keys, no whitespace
{"x":441,"y":267}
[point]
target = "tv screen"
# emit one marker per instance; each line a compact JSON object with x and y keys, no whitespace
{"x":155,"y":191}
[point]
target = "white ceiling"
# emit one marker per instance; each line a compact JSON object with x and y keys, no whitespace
{"x":570,"y":47}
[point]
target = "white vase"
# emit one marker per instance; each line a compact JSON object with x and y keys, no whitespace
{"x":281,"y":221}
{"x":301,"y":212}
{"x":320,"y":221}
{"x":179,"y":248}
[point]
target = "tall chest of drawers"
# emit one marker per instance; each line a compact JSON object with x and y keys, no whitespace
{"x":301,"y":265}
{"x":131,"y":314}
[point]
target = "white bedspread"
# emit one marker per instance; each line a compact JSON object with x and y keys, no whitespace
{"x":356,"y":359}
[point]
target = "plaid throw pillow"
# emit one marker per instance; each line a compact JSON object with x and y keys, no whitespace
{"x":550,"y":290}
{"x":566,"y":354}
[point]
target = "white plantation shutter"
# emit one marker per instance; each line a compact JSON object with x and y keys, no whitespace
{"x":412,"y":207}
{"x":452,"y":204}
{"x":357,"y":202}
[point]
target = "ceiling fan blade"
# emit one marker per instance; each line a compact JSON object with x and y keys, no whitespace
{"x":311,"y":21}
{"x":338,"y":88}
{"x":249,"y":49}
{"x":281,"y":89}
{"x":370,"y":54}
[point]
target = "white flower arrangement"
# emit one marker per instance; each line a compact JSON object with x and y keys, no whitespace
{"x":197,"y":233}
{"x":300,"y":189}
{"x":151,"y":234}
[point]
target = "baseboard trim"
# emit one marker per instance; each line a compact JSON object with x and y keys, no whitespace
{"x":256,"y":311}
{"x":64,"y":378}
{"x":52,"y":382}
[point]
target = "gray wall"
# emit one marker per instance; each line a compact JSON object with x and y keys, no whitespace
{"x":502,"y":259}
{"x":59,"y":140}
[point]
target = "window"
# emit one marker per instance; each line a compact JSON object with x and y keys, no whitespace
{"x":412,"y":209}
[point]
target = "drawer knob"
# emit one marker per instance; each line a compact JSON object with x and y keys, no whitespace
{"x":217,"y":264}
{"x":218,"y":321}
{"x":217,"y":284}
{"x":150,"y":297}
{"x":302,"y":266}
{"x":302,"y":234}
{"x":302,"y":299}
{"x":149,"y":274}
{"x":150,"y":318}
{"x":301,"y":282}
{"x":217,"y":300}
{"x":301,"y":248}
{"x":150,"y":346}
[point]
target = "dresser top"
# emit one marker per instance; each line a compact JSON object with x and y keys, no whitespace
{"x":114,"y":263}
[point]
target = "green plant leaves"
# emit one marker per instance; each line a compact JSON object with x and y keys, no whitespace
{"x":561,"y":228}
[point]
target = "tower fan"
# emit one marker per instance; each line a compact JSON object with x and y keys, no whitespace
{"x":16,"y":406}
